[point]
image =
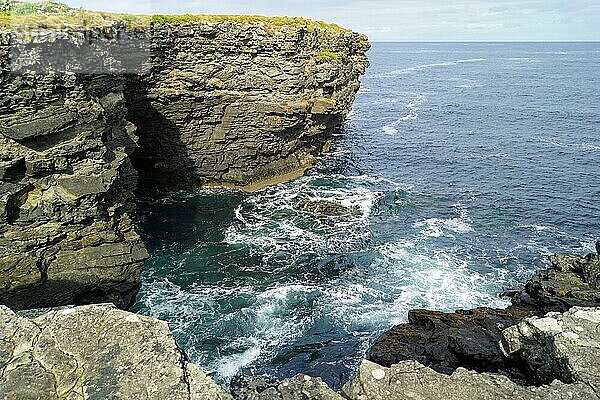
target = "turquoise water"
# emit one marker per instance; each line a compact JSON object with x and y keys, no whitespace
{"x":468,"y":163}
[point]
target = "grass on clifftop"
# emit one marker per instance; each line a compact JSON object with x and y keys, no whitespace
{"x":51,"y":14}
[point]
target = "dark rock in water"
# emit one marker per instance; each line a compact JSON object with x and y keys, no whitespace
{"x":446,"y":341}
{"x":572,"y":281}
{"x":325,"y":207}
{"x":300,"y":387}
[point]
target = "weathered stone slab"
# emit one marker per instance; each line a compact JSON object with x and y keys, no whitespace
{"x":95,"y":352}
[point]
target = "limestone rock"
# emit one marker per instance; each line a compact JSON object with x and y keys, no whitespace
{"x":300,"y":387}
{"x":558,"y":346}
{"x":238,"y":103}
{"x":229,"y":102}
{"x":95,"y":352}
{"x":66,"y":190}
{"x":562,"y":350}
{"x":410,"y":380}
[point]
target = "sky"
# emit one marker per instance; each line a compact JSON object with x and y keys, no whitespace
{"x":405,"y":20}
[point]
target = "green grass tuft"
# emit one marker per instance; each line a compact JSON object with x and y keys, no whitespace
{"x":57,"y":15}
{"x":329,"y":55}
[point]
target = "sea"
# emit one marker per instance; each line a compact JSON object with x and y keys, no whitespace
{"x":465,"y":165}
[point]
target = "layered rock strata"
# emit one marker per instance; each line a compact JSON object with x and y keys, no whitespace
{"x":241,"y":105}
{"x":66,"y":190}
{"x":234,"y":103}
{"x":95,"y":352}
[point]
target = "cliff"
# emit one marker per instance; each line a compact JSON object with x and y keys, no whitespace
{"x":241,"y":104}
{"x":188,"y":101}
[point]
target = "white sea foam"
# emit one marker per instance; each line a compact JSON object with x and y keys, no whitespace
{"x":269,"y":223}
{"x":417,"y":68}
{"x":412,"y":107}
{"x":415,"y":276}
{"x":437,"y":227}
{"x":229,"y":366}
{"x":537,"y":228}
{"x":376,"y":180}
{"x":390,"y":130}
{"x":583,"y":145}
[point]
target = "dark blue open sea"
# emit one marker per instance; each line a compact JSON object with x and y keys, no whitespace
{"x":469,"y":163}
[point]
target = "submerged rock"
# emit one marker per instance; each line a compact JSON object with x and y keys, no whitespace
{"x":565,"y":348}
{"x":326,"y":207}
{"x":95,"y":352}
{"x":300,"y":387}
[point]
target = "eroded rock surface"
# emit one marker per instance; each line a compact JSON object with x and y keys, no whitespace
{"x":66,"y":190}
{"x":558,"y":346}
{"x":300,"y":387}
{"x":215,"y":102}
{"x":447,"y":341}
{"x":572,"y":281}
{"x":95,"y":352}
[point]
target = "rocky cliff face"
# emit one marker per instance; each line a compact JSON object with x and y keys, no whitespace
{"x":66,"y":190}
{"x":233,"y":103}
{"x":241,"y":104}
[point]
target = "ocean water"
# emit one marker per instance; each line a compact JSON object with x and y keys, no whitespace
{"x":468,"y":164}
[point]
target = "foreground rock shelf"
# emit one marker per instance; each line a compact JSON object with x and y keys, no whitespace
{"x":100,"y":352}
{"x":563,"y":347}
